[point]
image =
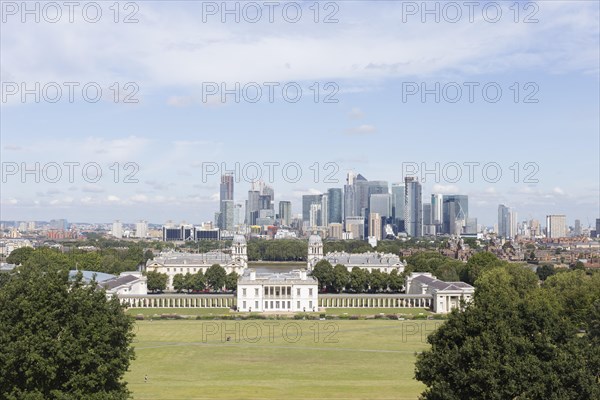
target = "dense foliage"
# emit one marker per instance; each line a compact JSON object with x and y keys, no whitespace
{"x":518,"y":340}
{"x":337,"y":279}
{"x":109,"y":260}
{"x":60,"y":338}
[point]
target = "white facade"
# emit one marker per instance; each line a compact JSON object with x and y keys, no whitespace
{"x":280,"y":292}
{"x":127,"y":283}
{"x":141,"y":229}
{"x":117,"y":229}
{"x":556,"y":226}
{"x":315,"y":251}
{"x":446,"y":295}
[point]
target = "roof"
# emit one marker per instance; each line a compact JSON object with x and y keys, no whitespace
{"x":314,"y":239}
{"x":437,"y":284}
{"x":177,"y":258}
{"x":373,"y":259}
{"x":289,"y":278}
{"x":118,"y":281}
{"x":239,"y":239}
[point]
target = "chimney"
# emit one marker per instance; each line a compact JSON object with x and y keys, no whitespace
{"x":303,"y":274}
{"x":252,"y":274}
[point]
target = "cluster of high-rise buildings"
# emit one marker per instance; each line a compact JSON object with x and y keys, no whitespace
{"x":364,"y":209}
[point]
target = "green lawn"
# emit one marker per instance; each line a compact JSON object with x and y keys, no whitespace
{"x":191,"y":359}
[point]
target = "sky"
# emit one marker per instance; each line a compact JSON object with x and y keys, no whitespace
{"x":132,"y":111}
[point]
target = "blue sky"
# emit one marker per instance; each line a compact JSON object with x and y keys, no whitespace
{"x":371,"y":55}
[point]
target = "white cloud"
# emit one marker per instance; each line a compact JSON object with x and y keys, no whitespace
{"x":356,"y":113}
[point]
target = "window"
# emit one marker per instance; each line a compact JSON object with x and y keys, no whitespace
{"x":310,"y":304}
{"x":256,"y":304}
{"x":289,"y":305}
{"x":244,"y":305}
{"x":244,"y":294}
{"x":289,"y":291}
{"x":266,"y":290}
{"x":256,"y":292}
{"x":168,"y":269}
{"x":298,"y":305}
{"x":298,"y":292}
{"x":271,"y":304}
{"x":266,"y":305}
{"x":276,"y":304}
{"x":310,"y":291}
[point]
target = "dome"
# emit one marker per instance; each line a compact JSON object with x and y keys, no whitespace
{"x":314,"y":239}
{"x":239,"y":239}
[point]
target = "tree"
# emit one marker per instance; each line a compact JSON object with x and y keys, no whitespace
{"x":479,"y":263}
{"x":20,"y":255}
{"x":215,"y":277}
{"x":545,"y":271}
{"x":515,"y":341}
{"x":61,"y":338}
{"x":188,"y":282}
{"x":198,"y":281}
{"x":157,"y":282}
{"x":359,"y":280}
{"x":395,"y":281}
{"x":377,"y":280}
{"x":179,"y":282}
{"x":323,"y":272}
{"x":231,"y":281}
{"x":341,"y":278}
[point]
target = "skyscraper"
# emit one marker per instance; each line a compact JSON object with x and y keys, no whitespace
{"x":577,"y":228}
{"x":226,"y":192}
{"x":381,"y":203}
{"x":556,"y":226}
{"x":285,"y":213}
{"x":398,"y":205}
{"x":437,"y":210}
{"x":349,"y":196}
{"x":252,"y":206}
{"x":117,"y":229}
{"x":225,"y":216}
{"x":141,"y":229}
{"x":324,"y":210}
{"x":314,"y":217}
{"x":361,"y":195}
{"x":307,"y":201}
{"x":455,"y":211}
{"x":413,"y":212}
{"x":507,"y":222}
{"x":335,"y":205}
{"x":375,"y":225}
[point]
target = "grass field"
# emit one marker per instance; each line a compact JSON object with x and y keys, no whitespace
{"x":191,"y":359}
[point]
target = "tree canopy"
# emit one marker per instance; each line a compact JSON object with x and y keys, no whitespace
{"x":61,"y":338}
{"x":518,"y":340}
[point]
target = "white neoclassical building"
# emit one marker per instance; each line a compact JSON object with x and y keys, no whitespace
{"x":127,"y":283}
{"x":446,"y":295}
{"x":384,"y":262}
{"x":291,"y":291}
{"x":173,"y":263}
